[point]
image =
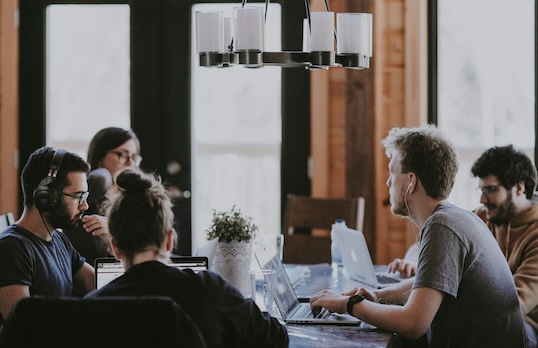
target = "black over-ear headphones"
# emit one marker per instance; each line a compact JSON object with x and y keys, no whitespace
{"x":46,"y":197}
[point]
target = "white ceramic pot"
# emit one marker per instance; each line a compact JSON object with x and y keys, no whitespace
{"x":232,"y":261}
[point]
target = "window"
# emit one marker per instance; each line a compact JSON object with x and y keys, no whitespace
{"x":236,"y":136}
{"x":486,"y":81}
{"x":87,"y":72}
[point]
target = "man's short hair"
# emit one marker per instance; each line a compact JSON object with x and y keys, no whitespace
{"x":427,"y":152}
{"x":509,"y":165}
{"x":37,"y":168}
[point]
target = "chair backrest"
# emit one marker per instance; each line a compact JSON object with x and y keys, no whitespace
{"x":303,"y":212}
{"x":100,"y":322}
{"x":6,"y":220}
{"x":308,"y":212}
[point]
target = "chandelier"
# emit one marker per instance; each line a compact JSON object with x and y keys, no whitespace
{"x":240,"y":40}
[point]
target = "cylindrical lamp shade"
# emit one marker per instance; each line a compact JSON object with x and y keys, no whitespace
{"x":227,"y":32}
{"x":209,"y":36}
{"x":354,"y":34}
{"x":249,"y":28}
{"x":306,"y":35}
{"x":322,"y":31}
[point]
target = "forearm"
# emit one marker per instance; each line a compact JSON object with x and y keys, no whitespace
{"x":392,"y":318}
{"x":84,"y":279}
{"x":411,"y":320}
{"x":394,"y":294}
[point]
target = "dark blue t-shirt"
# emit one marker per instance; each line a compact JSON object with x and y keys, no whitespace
{"x":46,"y":267}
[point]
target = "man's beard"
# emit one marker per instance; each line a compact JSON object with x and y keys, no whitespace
{"x":400,"y":207}
{"x":60,"y":218}
{"x":505,"y":211}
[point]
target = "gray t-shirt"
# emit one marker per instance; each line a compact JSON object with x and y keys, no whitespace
{"x":460,"y":257}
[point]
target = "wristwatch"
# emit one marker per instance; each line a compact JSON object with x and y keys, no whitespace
{"x":353,"y":300}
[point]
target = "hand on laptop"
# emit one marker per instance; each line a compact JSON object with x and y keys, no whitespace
{"x":406,"y":268}
{"x":335,"y":302}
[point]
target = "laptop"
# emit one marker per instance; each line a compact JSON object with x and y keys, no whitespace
{"x":208,"y":250}
{"x":358,"y":263}
{"x":108,"y":268}
{"x":291,"y":309}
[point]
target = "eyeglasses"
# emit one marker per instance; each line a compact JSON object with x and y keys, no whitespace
{"x":123,"y":156}
{"x":81,"y":197}
{"x":488,"y":191}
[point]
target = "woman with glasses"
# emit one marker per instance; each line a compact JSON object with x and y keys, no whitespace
{"x":111,"y":150}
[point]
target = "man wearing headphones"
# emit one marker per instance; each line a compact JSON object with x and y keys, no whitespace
{"x":35,"y":258}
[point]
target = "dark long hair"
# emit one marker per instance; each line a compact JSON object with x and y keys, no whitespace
{"x":108,"y":139}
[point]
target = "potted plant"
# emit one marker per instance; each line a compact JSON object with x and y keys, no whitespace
{"x":233,"y":254}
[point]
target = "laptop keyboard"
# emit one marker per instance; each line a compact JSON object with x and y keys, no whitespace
{"x":306,"y":313}
{"x":382,"y":279}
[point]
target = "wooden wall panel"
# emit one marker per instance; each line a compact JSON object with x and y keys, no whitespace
{"x":9,"y":48}
{"x":360,"y":107}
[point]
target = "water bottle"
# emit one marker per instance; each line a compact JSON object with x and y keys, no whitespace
{"x":336,"y":256}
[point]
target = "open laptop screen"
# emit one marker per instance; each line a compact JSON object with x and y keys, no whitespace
{"x":285,"y":298}
{"x":108,"y":268}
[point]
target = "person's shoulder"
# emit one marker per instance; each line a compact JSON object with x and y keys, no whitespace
{"x":455,"y":218}
{"x":533,"y":209}
{"x":13,"y":233}
{"x":210,"y":278}
{"x":16,"y":241}
{"x":482,"y":213}
{"x":448,"y":211}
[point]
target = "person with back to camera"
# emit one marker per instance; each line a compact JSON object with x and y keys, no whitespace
{"x":463,"y":294}
{"x":110,"y":150}
{"x":140,"y":221}
{"x":35,"y":258}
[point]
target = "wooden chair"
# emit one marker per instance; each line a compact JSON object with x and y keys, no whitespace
{"x":6,"y":220}
{"x":303,"y":212}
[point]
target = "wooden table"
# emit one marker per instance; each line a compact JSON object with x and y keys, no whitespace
{"x":331,"y":336}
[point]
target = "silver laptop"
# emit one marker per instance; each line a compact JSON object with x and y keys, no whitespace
{"x":358,"y":263}
{"x":291,"y":309}
{"x":108,"y":268}
{"x":208,"y":250}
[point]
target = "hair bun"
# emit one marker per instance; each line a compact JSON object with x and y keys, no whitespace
{"x":133,"y":181}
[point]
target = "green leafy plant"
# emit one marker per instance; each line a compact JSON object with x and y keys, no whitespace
{"x":231,"y":225}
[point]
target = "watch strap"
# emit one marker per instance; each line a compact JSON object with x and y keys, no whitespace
{"x":353,"y":300}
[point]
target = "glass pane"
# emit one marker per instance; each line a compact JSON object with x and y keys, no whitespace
{"x":88,"y":67}
{"x":236,"y":136}
{"x":486,"y":81}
